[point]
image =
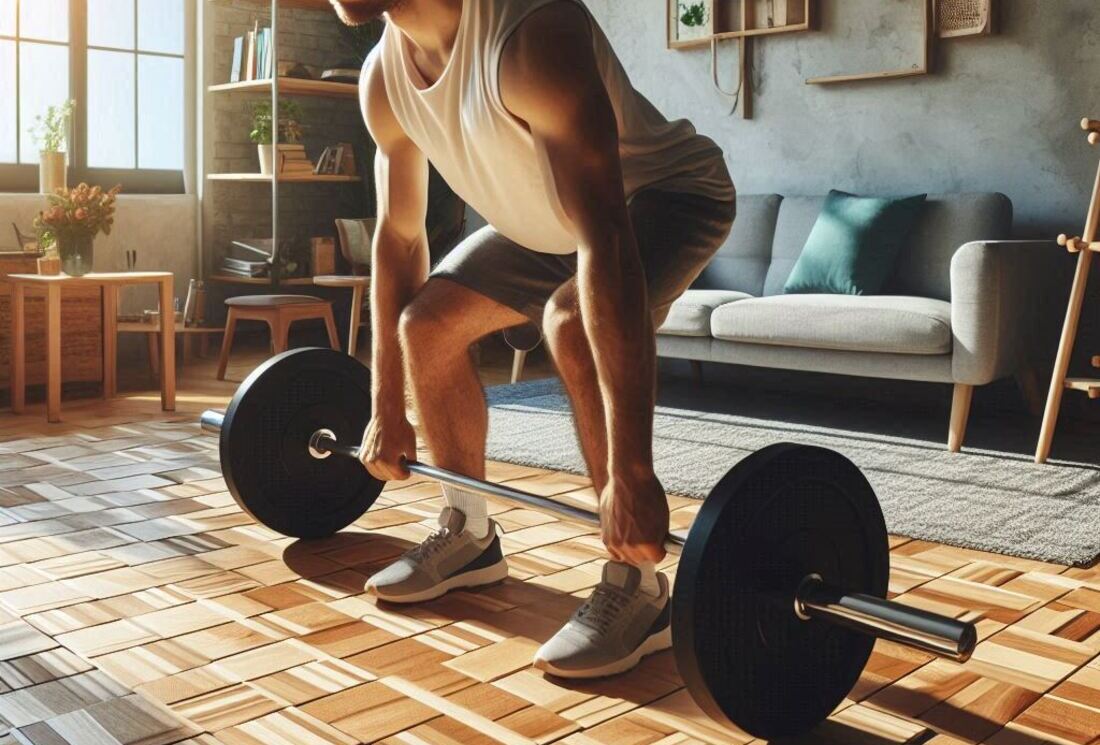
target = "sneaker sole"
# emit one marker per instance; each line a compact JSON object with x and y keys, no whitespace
{"x":656,"y":643}
{"x":483,"y":577}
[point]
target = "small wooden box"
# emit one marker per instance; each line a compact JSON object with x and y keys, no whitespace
{"x":322,"y":256}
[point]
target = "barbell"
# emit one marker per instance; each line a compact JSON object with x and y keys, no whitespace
{"x":780,"y":590}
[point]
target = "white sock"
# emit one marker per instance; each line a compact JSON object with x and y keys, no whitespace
{"x":473,"y":506}
{"x":649,"y":584}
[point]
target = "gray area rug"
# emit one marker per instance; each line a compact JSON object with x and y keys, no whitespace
{"x":983,"y":498}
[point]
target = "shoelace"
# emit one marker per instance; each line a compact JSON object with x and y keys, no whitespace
{"x":430,"y":545}
{"x":602,"y":609}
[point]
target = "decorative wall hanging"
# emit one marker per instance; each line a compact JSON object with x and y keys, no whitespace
{"x":964,"y":18}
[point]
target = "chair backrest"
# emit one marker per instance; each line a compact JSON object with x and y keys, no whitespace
{"x":742,"y":261}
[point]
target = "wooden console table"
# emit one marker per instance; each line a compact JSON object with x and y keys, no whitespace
{"x":110,"y":284}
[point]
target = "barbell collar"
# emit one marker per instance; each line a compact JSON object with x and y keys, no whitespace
{"x":886,"y":619}
{"x":211,"y":421}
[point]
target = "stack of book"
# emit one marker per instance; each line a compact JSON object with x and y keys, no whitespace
{"x":337,"y":159}
{"x":252,"y":58}
{"x":292,"y":161}
{"x":248,"y":258}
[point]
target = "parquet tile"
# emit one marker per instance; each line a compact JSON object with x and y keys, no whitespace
{"x":139,"y":605}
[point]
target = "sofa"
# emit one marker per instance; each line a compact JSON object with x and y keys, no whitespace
{"x":958,"y":308}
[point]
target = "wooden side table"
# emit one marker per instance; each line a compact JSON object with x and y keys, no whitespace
{"x":110,"y":284}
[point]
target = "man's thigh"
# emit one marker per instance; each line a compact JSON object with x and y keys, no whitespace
{"x":502,"y":270}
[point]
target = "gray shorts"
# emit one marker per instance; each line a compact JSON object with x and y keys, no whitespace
{"x":677,"y":235}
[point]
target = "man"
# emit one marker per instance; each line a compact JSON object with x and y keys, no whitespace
{"x":601,"y":212}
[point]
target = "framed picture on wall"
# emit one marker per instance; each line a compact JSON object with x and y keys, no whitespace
{"x":690,"y":22}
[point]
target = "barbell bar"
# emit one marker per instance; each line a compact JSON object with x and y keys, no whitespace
{"x":780,"y":589}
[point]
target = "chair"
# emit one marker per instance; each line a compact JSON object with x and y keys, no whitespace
{"x":278,"y":312}
{"x":359,"y":287}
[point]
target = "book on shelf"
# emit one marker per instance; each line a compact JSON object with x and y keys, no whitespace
{"x":238,"y":52}
{"x":240,"y":268}
{"x":252,"y":58}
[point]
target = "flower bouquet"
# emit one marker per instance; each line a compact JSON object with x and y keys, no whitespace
{"x":72,"y":220}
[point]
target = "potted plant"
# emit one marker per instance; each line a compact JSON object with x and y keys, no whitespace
{"x":51,"y":132}
{"x":692,"y":20}
{"x":71,"y":221}
{"x":290,"y":130}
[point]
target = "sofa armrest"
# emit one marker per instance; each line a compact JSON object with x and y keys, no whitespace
{"x":997,"y":288}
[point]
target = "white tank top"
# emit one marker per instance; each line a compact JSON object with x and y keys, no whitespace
{"x":487,"y":155}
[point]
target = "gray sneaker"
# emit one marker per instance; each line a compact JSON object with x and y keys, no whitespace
{"x":615,"y":628}
{"x":447,"y":559}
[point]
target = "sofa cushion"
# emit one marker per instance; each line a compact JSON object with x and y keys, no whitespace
{"x":859,"y":323}
{"x":690,"y":314}
{"x":742,"y":261}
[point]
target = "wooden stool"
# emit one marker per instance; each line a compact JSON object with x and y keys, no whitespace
{"x":359,"y":286}
{"x":278,"y":312}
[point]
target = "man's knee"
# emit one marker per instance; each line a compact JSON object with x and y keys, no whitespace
{"x":425,"y":327}
{"x":562,"y":324}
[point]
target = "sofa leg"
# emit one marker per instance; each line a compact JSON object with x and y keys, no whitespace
{"x":960,"y":412}
{"x":697,"y":372}
{"x":1028,"y":382}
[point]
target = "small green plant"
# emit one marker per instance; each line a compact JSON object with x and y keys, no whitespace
{"x":52,"y":130}
{"x":693,"y":14}
{"x":290,"y":128}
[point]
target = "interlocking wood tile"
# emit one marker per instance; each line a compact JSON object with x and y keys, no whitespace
{"x":371,"y":711}
{"x":47,"y":700}
{"x":287,"y":727}
{"x":125,"y":721}
{"x":313,"y":680}
{"x":41,"y":668}
{"x":18,"y":639}
{"x":226,"y":707}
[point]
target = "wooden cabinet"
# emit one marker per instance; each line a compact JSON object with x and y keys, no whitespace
{"x":81,"y":332}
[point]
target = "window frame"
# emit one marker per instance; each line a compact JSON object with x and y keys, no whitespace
{"x":23,"y":177}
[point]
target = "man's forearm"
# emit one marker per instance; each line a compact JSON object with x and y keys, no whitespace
{"x":397,"y":272}
{"x":615,"y":311}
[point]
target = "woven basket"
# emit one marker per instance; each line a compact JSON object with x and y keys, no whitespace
{"x":963,"y":18}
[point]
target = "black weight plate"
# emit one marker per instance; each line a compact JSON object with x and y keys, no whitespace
{"x":780,"y":514}
{"x":265,"y":438}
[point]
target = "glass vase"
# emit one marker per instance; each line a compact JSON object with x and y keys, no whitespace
{"x":76,"y":254}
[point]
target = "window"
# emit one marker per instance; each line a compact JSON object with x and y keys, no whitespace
{"x":125,"y":62}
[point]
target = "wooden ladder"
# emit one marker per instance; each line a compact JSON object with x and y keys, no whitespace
{"x":1085,"y":247}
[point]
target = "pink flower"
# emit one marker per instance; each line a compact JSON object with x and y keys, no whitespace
{"x":80,"y":213}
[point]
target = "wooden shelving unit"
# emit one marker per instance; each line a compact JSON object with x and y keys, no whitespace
{"x":274,"y":89}
{"x":291,"y":87}
{"x":263,"y":178}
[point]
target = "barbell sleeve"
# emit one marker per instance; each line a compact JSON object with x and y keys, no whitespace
{"x":886,"y":619}
{"x":814,"y":599}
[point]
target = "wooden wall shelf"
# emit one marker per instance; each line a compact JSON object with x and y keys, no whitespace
{"x":291,"y":87}
{"x":324,"y":5}
{"x":262,"y":178}
{"x":234,"y":280}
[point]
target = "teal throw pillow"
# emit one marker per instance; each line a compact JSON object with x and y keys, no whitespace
{"x":854,"y":244}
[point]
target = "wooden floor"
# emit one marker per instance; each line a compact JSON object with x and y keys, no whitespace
{"x":138,"y":605}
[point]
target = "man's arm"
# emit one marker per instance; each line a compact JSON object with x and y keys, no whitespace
{"x":399,"y":266}
{"x":549,"y":79}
